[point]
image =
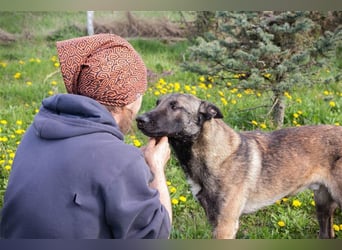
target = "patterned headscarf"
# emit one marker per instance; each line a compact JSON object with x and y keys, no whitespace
{"x":104,"y":67}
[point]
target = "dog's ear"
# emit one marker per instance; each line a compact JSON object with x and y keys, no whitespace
{"x":209,"y":110}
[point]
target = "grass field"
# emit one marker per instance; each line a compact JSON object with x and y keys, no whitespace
{"x":29,"y":72}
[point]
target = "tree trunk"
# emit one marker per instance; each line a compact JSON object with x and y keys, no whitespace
{"x":278,"y":112}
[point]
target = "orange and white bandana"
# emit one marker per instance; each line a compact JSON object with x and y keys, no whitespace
{"x":104,"y":67}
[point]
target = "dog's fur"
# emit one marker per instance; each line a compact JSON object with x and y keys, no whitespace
{"x":235,"y":173}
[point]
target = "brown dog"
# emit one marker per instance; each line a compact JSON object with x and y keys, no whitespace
{"x":235,"y":173}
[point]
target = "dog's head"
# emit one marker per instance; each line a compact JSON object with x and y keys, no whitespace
{"x":177,"y":116}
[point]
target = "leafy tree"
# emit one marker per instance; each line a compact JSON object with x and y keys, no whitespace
{"x":267,"y":51}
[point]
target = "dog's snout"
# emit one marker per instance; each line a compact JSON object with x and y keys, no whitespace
{"x":142,"y":120}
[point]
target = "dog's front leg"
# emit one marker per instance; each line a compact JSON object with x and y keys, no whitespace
{"x":228,"y":219}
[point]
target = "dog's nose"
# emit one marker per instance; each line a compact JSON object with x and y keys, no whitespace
{"x":142,"y":120}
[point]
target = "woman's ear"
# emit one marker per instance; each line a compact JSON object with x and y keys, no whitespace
{"x":209,"y":110}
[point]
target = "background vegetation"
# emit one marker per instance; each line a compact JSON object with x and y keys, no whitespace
{"x":29,"y":72}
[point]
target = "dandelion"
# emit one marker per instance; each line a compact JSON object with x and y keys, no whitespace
{"x":263,"y":125}
{"x":332,"y":104}
{"x":202,"y":79}
{"x":233,"y":101}
{"x":56,"y":64}
{"x":224,"y":101}
{"x":313,"y":203}
{"x":137,"y":143}
{"x":239,"y":95}
{"x":174,"y":201}
{"x":295,"y":115}
{"x":3,"y":64}
{"x":177,"y":86}
{"x":156,"y":93}
{"x":3,"y":122}
{"x":19,"y":131}
{"x":168,"y":183}
{"x":8,"y":167}
{"x":255,"y":123}
{"x":17,"y":75}
{"x":337,"y":124}
{"x":53,"y":83}
{"x":28,"y":83}
{"x":326,"y":92}
{"x":21,"y":62}
{"x":298,"y":100}
{"x":19,"y":122}
{"x":287,"y":94}
{"x":182,"y":198}
{"x":281,"y":223}
{"x":296,"y":203}
{"x":336,"y":228}
{"x":173,"y":190}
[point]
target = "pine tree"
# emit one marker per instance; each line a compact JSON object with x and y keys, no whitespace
{"x":269,"y":51}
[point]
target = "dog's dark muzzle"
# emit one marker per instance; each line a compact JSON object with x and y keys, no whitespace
{"x":142,"y":121}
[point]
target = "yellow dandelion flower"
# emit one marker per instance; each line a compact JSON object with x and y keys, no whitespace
{"x":341,"y":227}
{"x":156,"y":93}
{"x":278,"y":202}
{"x":336,"y":228}
{"x":8,"y":167}
{"x":287,"y":94}
{"x":137,"y":143}
{"x":233,"y":101}
{"x":182,"y":198}
{"x":17,"y":75}
{"x":255,"y":123}
{"x":175,"y":201}
{"x":337,"y":124}
{"x":298,"y":100}
{"x":224,"y":101}
{"x":21,"y":62}
{"x":202,"y":79}
{"x":11,"y":155}
{"x":173,"y":190}
{"x":221,"y":93}
{"x":177,"y":86}
{"x":229,"y":84}
{"x":295,"y":115}
{"x":28,"y":83}
{"x":53,"y":83}
{"x":263,"y":125}
{"x":19,"y":122}
{"x":281,"y":223}
{"x":210,"y":86}
{"x":3,"y":64}
{"x":313,"y":203}
{"x":332,"y":104}
{"x":296,"y":203}
{"x":168,"y":183}
{"x":285,"y":199}
{"x":3,"y":122}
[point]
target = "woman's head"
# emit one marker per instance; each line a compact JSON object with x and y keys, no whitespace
{"x":104,"y":67}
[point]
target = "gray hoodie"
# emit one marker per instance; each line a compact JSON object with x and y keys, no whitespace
{"x":74,"y":177}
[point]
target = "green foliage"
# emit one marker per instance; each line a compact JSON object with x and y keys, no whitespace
{"x":270,"y":51}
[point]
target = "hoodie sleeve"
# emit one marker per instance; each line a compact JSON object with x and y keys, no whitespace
{"x":133,"y":209}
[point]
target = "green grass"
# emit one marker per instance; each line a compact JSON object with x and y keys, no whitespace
{"x":34,"y":59}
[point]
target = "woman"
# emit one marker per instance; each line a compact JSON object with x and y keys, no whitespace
{"x":73,"y":176}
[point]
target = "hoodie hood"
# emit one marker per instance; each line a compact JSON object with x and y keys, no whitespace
{"x":66,"y":115}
